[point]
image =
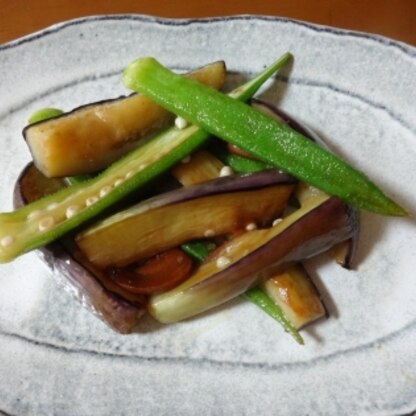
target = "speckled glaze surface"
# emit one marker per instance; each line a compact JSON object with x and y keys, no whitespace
{"x":359,"y":92}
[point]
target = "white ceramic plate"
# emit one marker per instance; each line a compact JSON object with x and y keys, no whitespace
{"x":359,"y":92}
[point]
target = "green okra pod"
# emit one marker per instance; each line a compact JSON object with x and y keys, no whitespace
{"x":265,"y":138}
{"x":263,"y":301}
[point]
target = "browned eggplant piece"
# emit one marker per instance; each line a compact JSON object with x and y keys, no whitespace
{"x":119,"y":309}
{"x":256,"y":256}
{"x":294,"y":292}
{"x":91,"y":137}
{"x":214,"y":208}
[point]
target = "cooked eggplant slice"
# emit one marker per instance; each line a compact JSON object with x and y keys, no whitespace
{"x":119,"y":309}
{"x":255,"y":256}
{"x":32,"y":185}
{"x":344,"y":253}
{"x":91,"y":137}
{"x":294,"y":292}
{"x":211,"y":209}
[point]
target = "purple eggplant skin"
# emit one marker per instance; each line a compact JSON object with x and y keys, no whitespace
{"x":349,"y":254}
{"x":118,"y":313}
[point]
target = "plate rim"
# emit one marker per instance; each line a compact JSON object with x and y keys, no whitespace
{"x":386,"y":41}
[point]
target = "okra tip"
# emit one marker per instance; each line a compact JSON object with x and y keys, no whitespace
{"x":44,"y":114}
{"x":392,"y":208}
{"x":400,"y":211}
{"x":134,"y":68}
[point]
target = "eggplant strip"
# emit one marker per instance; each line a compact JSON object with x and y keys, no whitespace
{"x":256,"y":256}
{"x":297,"y":296}
{"x":91,"y":137}
{"x":172,"y":218}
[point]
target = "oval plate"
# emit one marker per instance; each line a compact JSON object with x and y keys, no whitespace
{"x":358,"y":92}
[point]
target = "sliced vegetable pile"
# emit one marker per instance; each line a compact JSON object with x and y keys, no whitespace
{"x":228,"y":222}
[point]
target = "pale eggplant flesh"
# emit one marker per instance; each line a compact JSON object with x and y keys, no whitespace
{"x":295,"y":293}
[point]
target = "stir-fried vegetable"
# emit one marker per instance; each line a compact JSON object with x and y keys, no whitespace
{"x":291,"y":291}
{"x":46,"y":220}
{"x":296,"y":295}
{"x":118,"y":308}
{"x":258,"y":134}
{"x":136,"y":258}
{"x":44,"y":114}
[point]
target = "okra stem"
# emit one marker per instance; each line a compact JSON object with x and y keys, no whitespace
{"x":249,"y":129}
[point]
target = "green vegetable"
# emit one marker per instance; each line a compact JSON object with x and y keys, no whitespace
{"x":44,"y":114}
{"x":43,"y":221}
{"x":239,"y":164}
{"x":258,"y":134}
{"x":198,"y":249}
{"x":259,"y":298}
